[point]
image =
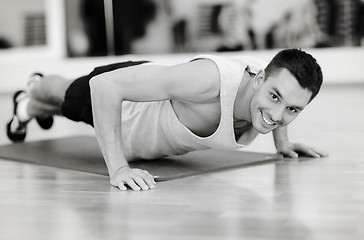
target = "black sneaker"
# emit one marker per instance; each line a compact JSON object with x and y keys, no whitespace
{"x":16,"y":130}
{"x":43,"y":122}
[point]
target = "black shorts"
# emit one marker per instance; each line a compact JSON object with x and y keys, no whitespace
{"x":77,"y":101}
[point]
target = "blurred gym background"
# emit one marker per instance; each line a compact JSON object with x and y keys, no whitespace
{"x":73,"y":36}
{"x":116,"y":27}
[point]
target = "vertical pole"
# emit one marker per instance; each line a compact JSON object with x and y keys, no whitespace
{"x":109,"y":23}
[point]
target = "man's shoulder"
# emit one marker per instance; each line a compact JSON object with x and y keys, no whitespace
{"x":238,"y":60}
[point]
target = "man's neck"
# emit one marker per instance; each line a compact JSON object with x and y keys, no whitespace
{"x":243,"y":98}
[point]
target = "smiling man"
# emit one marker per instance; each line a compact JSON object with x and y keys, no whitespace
{"x":148,"y":111}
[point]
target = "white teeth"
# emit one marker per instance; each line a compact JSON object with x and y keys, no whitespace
{"x":266,"y":120}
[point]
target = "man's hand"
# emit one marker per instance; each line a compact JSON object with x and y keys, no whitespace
{"x":293,"y":150}
{"x":136,"y":179}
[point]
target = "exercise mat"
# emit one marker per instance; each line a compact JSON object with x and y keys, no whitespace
{"x":82,"y":153}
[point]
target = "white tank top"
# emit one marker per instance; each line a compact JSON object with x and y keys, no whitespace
{"x":152,"y":130}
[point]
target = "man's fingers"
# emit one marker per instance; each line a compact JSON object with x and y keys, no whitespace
{"x":133,"y":185}
{"x":136,"y":179}
{"x":310,"y":151}
{"x":292,"y":154}
{"x":319,"y":152}
{"x":289,"y":153}
{"x":148,"y":178}
{"x":293,"y":150}
{"x":122,"y":187}
{"x":307,"y":150}
{"x":136,"y":184}
{"x":140,"y":182}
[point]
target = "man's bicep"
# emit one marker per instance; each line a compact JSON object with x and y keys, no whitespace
{"x":196,"y":81}
{"x":192,"y":81}
{"x":136,"y":83}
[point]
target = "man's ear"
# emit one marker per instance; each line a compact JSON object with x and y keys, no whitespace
{"x":259,"y":79}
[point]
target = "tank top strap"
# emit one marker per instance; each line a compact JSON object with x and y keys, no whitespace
{"x":231,"y":74}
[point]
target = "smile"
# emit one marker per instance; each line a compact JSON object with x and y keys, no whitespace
{"x":266,"y":120}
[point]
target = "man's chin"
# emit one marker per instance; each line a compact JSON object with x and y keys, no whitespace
{"x":263,"y":130}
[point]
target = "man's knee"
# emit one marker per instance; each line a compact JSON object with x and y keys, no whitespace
{"x":50,"y":89}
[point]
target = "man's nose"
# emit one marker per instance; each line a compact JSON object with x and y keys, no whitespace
{"x":277,"y":114}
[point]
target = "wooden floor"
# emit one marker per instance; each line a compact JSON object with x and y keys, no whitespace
{"x":292,"y":199}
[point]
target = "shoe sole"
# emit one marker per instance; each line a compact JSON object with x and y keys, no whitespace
{"x":15,"y":137}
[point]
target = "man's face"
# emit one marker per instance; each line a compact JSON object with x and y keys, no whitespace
{"x":277,"y":101}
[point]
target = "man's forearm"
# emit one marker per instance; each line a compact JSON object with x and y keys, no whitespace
{"x":280,"y":135}
{"x":107,"y":122}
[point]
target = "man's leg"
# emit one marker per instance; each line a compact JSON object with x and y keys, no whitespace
{"x":46,"y":96}
{"x":54,"y":95}
{"x":41,"y":100}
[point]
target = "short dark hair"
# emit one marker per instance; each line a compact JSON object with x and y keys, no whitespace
{"x":301,"y":65}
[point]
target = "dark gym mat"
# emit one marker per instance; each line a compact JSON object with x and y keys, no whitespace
{"x":82,"y":153}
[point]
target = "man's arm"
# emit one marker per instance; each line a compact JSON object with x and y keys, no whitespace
{"x":106,"y":106}
{"x":284,"y":146}
{"x":195,"y":82}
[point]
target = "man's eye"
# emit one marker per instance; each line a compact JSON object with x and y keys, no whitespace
{"x":292,"y":110}
{"x":274,"y":97}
